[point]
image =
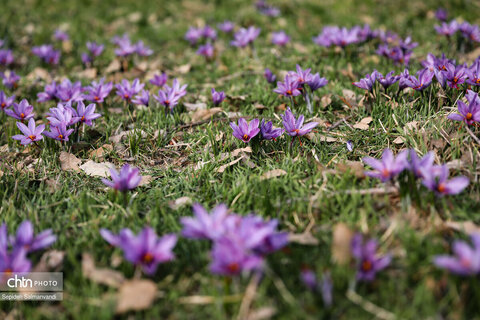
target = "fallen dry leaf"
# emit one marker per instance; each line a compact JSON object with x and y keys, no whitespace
{"x":349,"y":97}
{"x":183,"y":69}
{"x":136,"y":295}
{"x":363,"y":124}
{"x":225,"y":166}
{"x":236,"y":152}
{"x":180,"y":202}
{"x":464,"y":226}
{"x":355,"y":167}
{"x":90,"y":73}
{"x":104,"y":276}
{"x":39,"y":73}
{"x":69,"y":162}
{"x":95,"y":169}
{"x":145,"y":180}
{"x":342,"y":239}
{"x":399,"y":140}
{"x":195,"y":106}
{"x":273,"y":174}
{"x":204,"y":114}
{"x":114,"y":66}
{"x":50,"y":260}
{"x":100,"y":152}
{"x":326,"y":100}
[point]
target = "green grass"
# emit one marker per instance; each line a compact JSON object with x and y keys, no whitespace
{"x":79,"y":205}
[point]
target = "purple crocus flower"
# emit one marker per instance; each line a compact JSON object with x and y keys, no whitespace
{"x":230,"y":258}
{"x":470,"y":32}
{"x":125,"y":46}
{"x":30,"y":133}
{"x":67,"y":91}
{"x":441,"y":14}
{"x":388,"y":80}
{"x":206,"y":50}
{"x":245,"y":131}
{"x":295,"y":127}
{"x":179,"y":90}
{"x":98,"y":91}
{"x":280,"y":38}
{"x":62,"y":115}
{"x":47,"y":53}
{"x":436,"y":179}
{"x":417,"y":164}
{"x":407,"y":44}
{"x":269,"y":76}
{"x":5,"y":101}
{"x":159,"y":80}
{"x":143,"y":98}
{"x":217,"y":97}
{"x":207,"y":226}
{"x":447,"y":29}
{"x":267,"y":9}
{"x":60,"y":35}
{"x":226,"y":26}
{"x":86,"y":114}
{"x":387,"y":168}
{"x":10,"y":79}
{"x":143,"y":50}
{"x":26,"y":239}
{"x":167,"y":97}
{"x":268,"y":131}
{"x":466,"y":258}
{"x":209,"y":33}
{"x":289,"y":87}
{"x":455,"y":75}
{"x":367,"y":82}
{"x":473,"y":73}
{"x":193,"y":35}
{"x":369,"y":263}
{"x":316,"y":82}
{"x":309,"y":278}
{"x":349,"y":145}
{"x":49,"y":93}
{"x":245,"y":36}
{"x":404,"y":80}
{"x":21,"y":111}
{"x":86,"y":59}
{"x":15,"y":261}
{"x":6,"y":57}
{"x":127,"y":179}
{"x":145,"y":249}
{"x":60,"y":133}
{"x":423,"y":80}
{"x":468,"y":113}
{"x":127,"y":91}
{"x":326,"y":288}
{"x":95,"y":48}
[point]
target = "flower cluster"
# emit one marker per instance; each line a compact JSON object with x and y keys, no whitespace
{"x":47,"y":53}
{"x":10,"y":79}
{"x":433,"y":177}
{"x":170,"y":96}
{"x":470,"y":32}
{"x":66,"y":91}
{"x":125,"y":47}
{"x":146,"y":249}
{"x":239,"y":243}
{"x":14,"y":249}
{"x":6,"y":57}
{"x":245,"y":36}
{"x":341,"y":37}
{"x":395,"y":48}
{"x":466,"y":261}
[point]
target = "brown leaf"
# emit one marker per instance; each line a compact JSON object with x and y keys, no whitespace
{"x":100,"y":152}
{"x":305,"y":238}
{"x":399,"y":140}
{"x":225,"y":166}
{"x":342,"y":239}
{"x":349,"y":97}
{"x":363,"y":124}
{"x":326,"y":100}
{"x":114,"y":66}
{"x":195,"y":106}
{"x":180,"y":202}
{"x":136,"y":295}
{"x":183,"y":69}
{"x":236,"y":152}
{"x":145,"y":180}
{"x":273,"y":174}
{"x":355,"y":167}
{"x":95,"y":169}
{"x":204,"y":114}
{"x":69,"y":162}
{"x":90,"y":73}
{"x":39,"y":73}
{"x":464,"y":226}
{"x":50,"y":260}
{"x":104,"y":276}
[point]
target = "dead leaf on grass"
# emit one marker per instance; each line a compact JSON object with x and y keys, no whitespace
{"x":95,"y":169}
{"x":342,"y":239}
{"x":69,"y":162}
{"x":273,"y":174}
{"x":204,"y":114}
{"x":180,"y":202}
{"x":363,"y":124}
{"x":136,"y":295}
{"x":104,"y":276}
{"x":225,"y":166}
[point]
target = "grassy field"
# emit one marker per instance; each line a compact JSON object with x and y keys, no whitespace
{"x":322,"y":188}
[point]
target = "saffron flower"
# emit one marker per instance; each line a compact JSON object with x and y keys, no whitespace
{"x":30,"y":133}
{"x":127,"y":91}
{"x":6,"y":57}
{"x":217,"y":97}
{"x":473,"y":73}
{"x":143,"y":98}
{"x":226,"y":26}
{"x":267,"y":9}
{"x":316,"y":82}
{"x":388,"y":167}
{"x":47,"y":53}
{"x":207,"y":226}
{"x":245,"y":36}
{"x":369,"y":263}
{"x":14,"y":261}
{"x":367,"y":82}
{"x":230,"y":257}
{"x":168,"y":98}
{"x":466,"y":258}
{"x":86,"y":114}
{"x":60,"y":133}
{"x":49,"y":93}
{"x":289,"y":87}
{"x":94,"y":48}
{"x":423,"y":80}
{"x":268,"y":131}
{"x":295,"y":127}
{"x":388,"y":80}
{"x":206,"y":50}
{"x":245,"y":131}
{"x":127,"y":179}
{"x":60,"y":35}
{"x":67,"y":91}
{"x":280,"y":38}
{"x":62,"y":115}
{"x":441,"y":14}
{"x":98,"y":91}
{"x":309,"y":278}
{"x":21,"y":111}
{"x":417,"y":164}
{"x":143,"y":50}
{"x":436,"y":179}
{"x":455,"y":75}
{"x":26,"y":239}
{"x":193,"y":35}
{"x":5,"y":101}
{"x":269,"y":76}
{"x":159,"y":80}
{"x":125,"y":46}
{"x":145,"y":249}
{"x":447,"y":29}
{"x":468,"y":113}
{"x":209,"y":33}
{"x":10,"y":79}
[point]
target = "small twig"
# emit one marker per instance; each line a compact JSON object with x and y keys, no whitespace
{"x":339,"y":122}
{"x":249,"y":296}
{"x":369,"y":306}
{"x":472,"y":134}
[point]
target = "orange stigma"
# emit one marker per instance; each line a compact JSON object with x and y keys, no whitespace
{"x":147,"y":258}
{"x":469,"y":116}
{"x":289,"y":92}
{"x":385,"y":173}
{"x":366,"y":265}
{"x":31,"y":137}
{"x":233,"y":267}
{"x":441,"y":188}
{"x":22,"y":115}
{"x":245,"y":137}
{"x":96,"y":98}
{"x":82,"y":119}
{"x":60,"y":136}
